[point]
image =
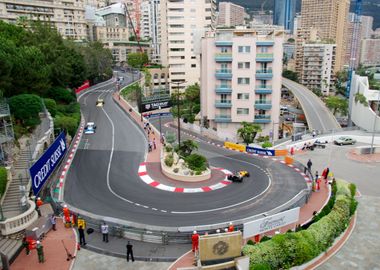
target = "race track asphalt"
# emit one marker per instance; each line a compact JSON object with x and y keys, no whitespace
{"x":103,"y":178}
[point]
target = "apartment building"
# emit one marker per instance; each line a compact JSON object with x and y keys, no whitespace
{"x":67,"y":16}
{"x":241,"y":80}
{"x":150,"y":26}
{"x":318,"y":66}
{"x":370,"y":52}
{"x":183,"y":22}
{"x":330,"y":18}
{"x":230,"y":14}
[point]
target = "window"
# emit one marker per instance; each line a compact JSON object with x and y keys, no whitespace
{"x":244,"y":49}
{"x":177,"y":49}
{"x":244,"y":65}
{"x":192,"y":10}
{"x":155,"y":76}
{"x":263,"y":49}
{"x":193,"y":57}
{"x":243,"y":96}
{"x":243,"y":80}
{"x":177,"y":9}
{"x":176,"y":25}
{"x":223,"y":49}
{"x":177,"y":41}
{"x":223,"y":98}
{"x":193,"y":65}
{"x":178,"y":73}
{"x":242,"y":111}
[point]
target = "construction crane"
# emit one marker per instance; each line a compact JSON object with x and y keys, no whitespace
{"x":354,"y":44}
{"x":135,"y":33}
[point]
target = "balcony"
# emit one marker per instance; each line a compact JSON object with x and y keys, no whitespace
{"x":223,"y":57}
{"x":264,"y":74}
{"x":262,"y":119}
{"x":223,"y":89}
{"x":222,"y":118}
{"x":223,"y":104}
{"x":223,"y":74}
{"x":263,"y":105}
{"x":264,"y":57}
{"x":265,"y":43}
{"x":223,"y":43}
{"x":263,"y":89}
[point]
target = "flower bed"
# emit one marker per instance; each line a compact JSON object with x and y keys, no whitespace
{"x":296,"y":248}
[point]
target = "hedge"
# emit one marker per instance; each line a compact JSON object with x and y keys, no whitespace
{"x":3,"y":180}
{"x":296,"y":248}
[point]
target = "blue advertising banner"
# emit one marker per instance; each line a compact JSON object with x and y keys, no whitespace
{"x":45,"y":165}
{"x":260,"y":151}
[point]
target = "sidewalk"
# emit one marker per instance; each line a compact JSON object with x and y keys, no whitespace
{"x":54,"y":251}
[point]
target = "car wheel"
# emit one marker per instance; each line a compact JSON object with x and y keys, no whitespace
{"x":247,"y":174}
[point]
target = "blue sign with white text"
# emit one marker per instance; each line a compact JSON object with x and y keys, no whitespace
{"x":260,"y":151}
{"x":45,"y":165}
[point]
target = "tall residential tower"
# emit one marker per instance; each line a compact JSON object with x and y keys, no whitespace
{"x":284,"y":13}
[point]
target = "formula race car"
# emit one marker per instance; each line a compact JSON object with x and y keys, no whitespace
{"x":238,"y":176}
{"x":100,"y":102}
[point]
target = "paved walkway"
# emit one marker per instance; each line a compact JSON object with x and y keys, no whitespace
{"x":55,"y":254}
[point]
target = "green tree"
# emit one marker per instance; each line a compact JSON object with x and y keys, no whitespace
{"x":291,"y":75}
{"x":137,"y":60}
{"x":248,"y":132}
{"x":336,"y":104}
{"x":25,"y":109}
{"x":361,"y":99}
{"x":51,"y":106}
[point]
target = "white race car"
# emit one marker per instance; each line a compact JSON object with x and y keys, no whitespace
{"x":90,"y":128}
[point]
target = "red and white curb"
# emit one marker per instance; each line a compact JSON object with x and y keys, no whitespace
{"x":153,"y":183}
{"x":69,"y":160}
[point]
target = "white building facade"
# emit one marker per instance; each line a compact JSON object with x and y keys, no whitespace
{"x":150,"y":26}
{"x":241,"y":80}
{"x":318,"y":66}
{"x":182,"y":24}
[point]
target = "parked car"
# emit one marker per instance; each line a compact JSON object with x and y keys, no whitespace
{"x":344,"y":141}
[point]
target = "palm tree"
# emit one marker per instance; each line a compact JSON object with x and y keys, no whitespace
{"x":248,"y":132}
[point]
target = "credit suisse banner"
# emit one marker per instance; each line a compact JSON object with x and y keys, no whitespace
{"x":45,"y":165}
{"x":260,"y":151}
{"x":270,"y":223}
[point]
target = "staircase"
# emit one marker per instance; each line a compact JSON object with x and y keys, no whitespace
{"x":11,"y":205}
{"x":11,"y":246}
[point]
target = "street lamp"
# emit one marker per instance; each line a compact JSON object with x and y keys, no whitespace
{"x":178,"y":111}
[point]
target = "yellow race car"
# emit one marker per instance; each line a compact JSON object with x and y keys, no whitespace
{"x":100,"y":102}
{"x":238,"y":176}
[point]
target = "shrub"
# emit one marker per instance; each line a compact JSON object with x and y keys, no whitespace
{"x":296,"y":248}
{"x":51,"y":106}
{"x":196,"y":162}
{"x":3,"y":180}
{"x":352,"y":188}
{"x":168,"y":148}
{"x":61,"y":95}
{"x":67,"y":123}
{"x":261,"y":139}
{"x":169,"y":160}
{"x":266,"y":144}
{"x":250,"y":242}
{"x":26,"y":108}
{"x":265,"y":238}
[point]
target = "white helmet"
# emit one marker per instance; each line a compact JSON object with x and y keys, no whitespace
{"x":218,"y":231}
{"x":38,"y":242}
{"x":194,"y":232}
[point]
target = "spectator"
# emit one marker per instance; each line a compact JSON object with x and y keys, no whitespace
{"x":130,"y":252}
{"x":82,"y":240}
{"x":104,"y":229}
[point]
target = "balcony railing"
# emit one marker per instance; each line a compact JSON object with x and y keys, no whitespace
{"x":223,"y":57}
{"x":223,"y":43}
{"x":223,"y":89}
{"x":263,"y":89}
{"x":265,"y":43}
{"x":264,"y":73}
{"x":223,"y":74}
{"x":223,"y":104}
{"x":222,"y":118}
{"x":264,"y":57}
{"x":262,"y":119}
{"x":263,"y":104}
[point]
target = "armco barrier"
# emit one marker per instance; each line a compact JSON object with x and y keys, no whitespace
{"x":234,"y":146}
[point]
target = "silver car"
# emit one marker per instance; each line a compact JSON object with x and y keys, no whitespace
{"x":344,"y":141}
